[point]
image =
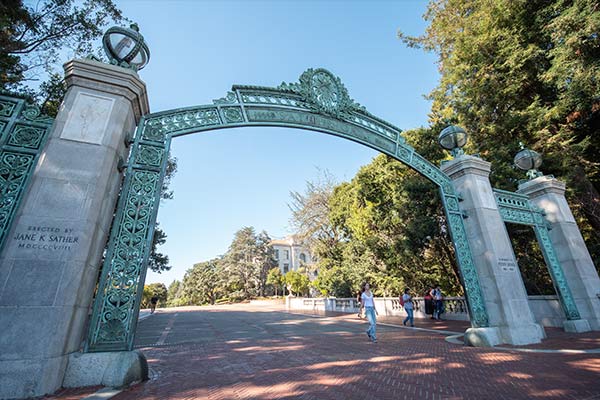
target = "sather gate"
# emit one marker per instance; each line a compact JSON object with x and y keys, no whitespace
{"x":318,"y":102}
{"x":105,"y":149}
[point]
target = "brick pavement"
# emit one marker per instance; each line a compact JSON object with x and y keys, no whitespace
{"x":249,"y":352}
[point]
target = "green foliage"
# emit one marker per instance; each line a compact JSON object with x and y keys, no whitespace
{"x":154,"y":289}
{"x":35,"y":35}
{"x":247,"y":262}
{"x":297,"y":282}
{"x":243,"y":272}
{"x":530,"y":259}
{"x":525,"y":71}
{"x":275,"y":279}
{"x":201,"y":283}
{"x":175,"y":295}
{"x":394,"y":229}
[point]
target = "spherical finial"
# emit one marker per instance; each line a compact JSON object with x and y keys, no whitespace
{"x":453,"y":138}
{"x":528,"y":160}
{"x":126,"y":47}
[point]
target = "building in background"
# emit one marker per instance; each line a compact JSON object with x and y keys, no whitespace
{"x":291,"y":254}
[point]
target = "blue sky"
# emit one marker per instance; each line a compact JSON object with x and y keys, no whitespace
{"x":232,"y":178}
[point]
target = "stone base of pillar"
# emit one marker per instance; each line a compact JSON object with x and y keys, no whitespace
{"x":482,"y":337}
{"x":112,"y":369}
{"x":24,"y":379}
{"x":522,"y":334}
{"x":577,"y":325}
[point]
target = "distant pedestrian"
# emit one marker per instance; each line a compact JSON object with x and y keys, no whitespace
{"x":370,"y":311}
{"x":359,"y":303}
{"x":438,"y":301}
{"x":429,"y":306}
{"x":408,"y":307}
{"x":153,"y":302}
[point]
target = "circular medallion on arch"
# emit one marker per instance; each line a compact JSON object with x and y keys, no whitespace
{"x":325,"y":91}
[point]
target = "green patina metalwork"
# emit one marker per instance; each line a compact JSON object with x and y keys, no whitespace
{"x":23,"y":133}
{"x":516,"y":208}
{"x":318,"y":102}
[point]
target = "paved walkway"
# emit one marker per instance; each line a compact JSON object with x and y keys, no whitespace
{"x":258,"y":352}
{"x":557,"y":339}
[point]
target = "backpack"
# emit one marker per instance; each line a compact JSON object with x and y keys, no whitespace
{"x":402,"y":300}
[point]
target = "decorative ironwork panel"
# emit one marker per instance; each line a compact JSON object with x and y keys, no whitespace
{"x":469,"y":276}
{"x":23,"y":133}
{"x":26,"y":136}
{"x":516,"y":208}
{"x":556,"y":272}
{"x":118,"y":297}
{"x":319,"y":102}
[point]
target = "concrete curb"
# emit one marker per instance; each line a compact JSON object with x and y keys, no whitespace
{"x":103,"y":394}
{"x":455,"y":340}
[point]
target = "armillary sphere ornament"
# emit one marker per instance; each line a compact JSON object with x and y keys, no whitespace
{"x":528,"y":160}
{"x":453,"y":138}
{"x":126,"y":47}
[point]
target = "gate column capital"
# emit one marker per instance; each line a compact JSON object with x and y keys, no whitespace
{"x":465,"y":165}
{"x":548,"y":193}
{"x":110,"y":79}
{"x":542,"y":185}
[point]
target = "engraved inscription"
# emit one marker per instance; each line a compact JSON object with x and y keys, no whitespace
{"x":507,"y":264}
{"x":49,"y":238}
{"x":319,"y":121}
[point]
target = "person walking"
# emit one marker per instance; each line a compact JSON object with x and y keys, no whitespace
{"x":438,"y":302}
{"x":359,"y":302}
{"x":429,"y":302}
{"x":153,"y":302}
{"x":370,"y":311}
{"x":408,"y":307}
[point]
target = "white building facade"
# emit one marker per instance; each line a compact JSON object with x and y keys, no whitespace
{"x":291,"y":254}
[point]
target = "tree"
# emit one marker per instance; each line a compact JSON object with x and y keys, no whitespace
{"x":265,"y":260}
{"x":310,"y":216}
{"x":33,"y":38}
{"x":525,"y":71}
{"x":241,"y":268}
{"x":297,"y":282}
{"x":275,"y":278}
{"x":201,"y":283}
{"x":175,"y":296}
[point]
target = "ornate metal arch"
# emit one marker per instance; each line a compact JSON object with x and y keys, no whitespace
{"x":516,"y":208}
{"x":318,"y":102}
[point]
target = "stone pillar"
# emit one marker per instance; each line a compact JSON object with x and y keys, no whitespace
{"x":49,"y":266}
{"x":582,"y":278}
{"x":499,"y":276}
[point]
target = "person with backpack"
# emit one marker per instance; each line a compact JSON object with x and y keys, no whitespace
{"x":407,"y":302}
{"x":153,"y":302}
